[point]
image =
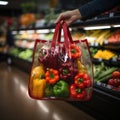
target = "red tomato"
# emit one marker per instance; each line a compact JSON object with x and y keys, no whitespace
{"x":114,"y":82}
{"x":116,"y":74}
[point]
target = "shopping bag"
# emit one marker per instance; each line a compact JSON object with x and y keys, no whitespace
{"x":61,"y":68}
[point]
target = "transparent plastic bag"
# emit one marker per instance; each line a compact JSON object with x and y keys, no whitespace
{"x":61,"y":70}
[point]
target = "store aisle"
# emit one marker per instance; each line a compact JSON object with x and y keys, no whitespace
{"x":15,"y":104}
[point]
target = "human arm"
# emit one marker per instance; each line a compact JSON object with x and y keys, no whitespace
{"x":96,"y":7}
{"x":89,"y":10}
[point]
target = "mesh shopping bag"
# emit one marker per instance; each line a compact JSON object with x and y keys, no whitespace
{"x":61,"y":69}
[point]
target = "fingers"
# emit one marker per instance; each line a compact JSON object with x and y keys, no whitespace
{"x":69,"y":22}
{"x":60,"y":17}
{"x":69,"y":16}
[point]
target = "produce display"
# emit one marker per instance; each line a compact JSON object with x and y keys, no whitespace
{"x":24,"y":54}
{"x":104,"y":54}
{"x":99,"y":36}
{"x":115,"y":38}
{"x":27,"y":54}
{"x":24,"y":44}
{"x":14,"y":51}
{"x":108,"y":75}
{"x":102,"y":36}
{"x":27,"y":19}
{"x":93,"y":51}
{"x":114,"y":81}
{"x":94,"y":36}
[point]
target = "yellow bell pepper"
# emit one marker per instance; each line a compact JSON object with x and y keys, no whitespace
{"x":81,"y":67}
{"x":37,"y":81}
{"x":37,"y":72}
{"x":38,"y":87}
{"x":104,"y":54}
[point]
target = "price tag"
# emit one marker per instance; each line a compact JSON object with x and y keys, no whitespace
{"x":114,"y":59}
{"x":100,"y":59}
{"x":9,"y":60}
{"x":92,"y":44}
{"x":111,"y":14}
{"x":96,"y":44}
{"x":95,"y":18}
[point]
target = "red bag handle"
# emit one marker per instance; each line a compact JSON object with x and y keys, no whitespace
{"x":57,"y":35}
{"x":67,"y":32}
{"x":67,"y":36}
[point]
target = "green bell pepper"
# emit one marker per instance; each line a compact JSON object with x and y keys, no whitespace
{"x":61,"y":89}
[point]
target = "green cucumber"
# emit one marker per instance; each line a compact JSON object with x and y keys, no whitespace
{"x":104,"y":78}
{"x":107,"y":72}
{"x":101,"y":67}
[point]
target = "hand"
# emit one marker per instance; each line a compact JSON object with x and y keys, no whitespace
{"x":69,"y":16}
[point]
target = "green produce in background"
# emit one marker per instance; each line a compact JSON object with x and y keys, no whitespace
{"x":14,"y":51}
{"x":26,"y":54}
{"x":102,"y":72}
{"x":93,"y":51}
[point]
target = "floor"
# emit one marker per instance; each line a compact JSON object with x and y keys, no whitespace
{"x":15,"y":103}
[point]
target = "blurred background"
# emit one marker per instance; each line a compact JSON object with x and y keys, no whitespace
{"x":24,"y":21}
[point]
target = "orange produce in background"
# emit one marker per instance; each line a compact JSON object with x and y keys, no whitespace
{"x":27,"y":19}
{"x":115,"y":38}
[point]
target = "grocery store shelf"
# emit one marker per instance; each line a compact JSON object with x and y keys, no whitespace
{"x":98,"y":21}
{"x":107,"y":90}
{"x":2,"y":44}
{"x":92,"y":22}
{"x":3,"y":57}
{"x":106,"y":44}
{"x":22,"y":64}
{"x":111,"y":62}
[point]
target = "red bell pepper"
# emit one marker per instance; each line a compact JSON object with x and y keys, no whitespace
{"x":66,"y":70}
{"x":76,"y":92}
{"x":74,"y":52}
{"x":82,"y":80}
{"x":49,"y":58}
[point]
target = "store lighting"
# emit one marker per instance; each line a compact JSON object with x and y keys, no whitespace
{"x":21,"y":32}
{"x":16,"y":80}
{"x":14,"y":32}
{"x":43,"y":106}
{"x":56,"y":117}
{"x":116,"y":25}
{"x":96,"y":27}
{"x":23,"y":88}
{"x":43,"y":31}
{"x":3,"y":2}
{"x":53,"y":30}
{"x":30,"y":31}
